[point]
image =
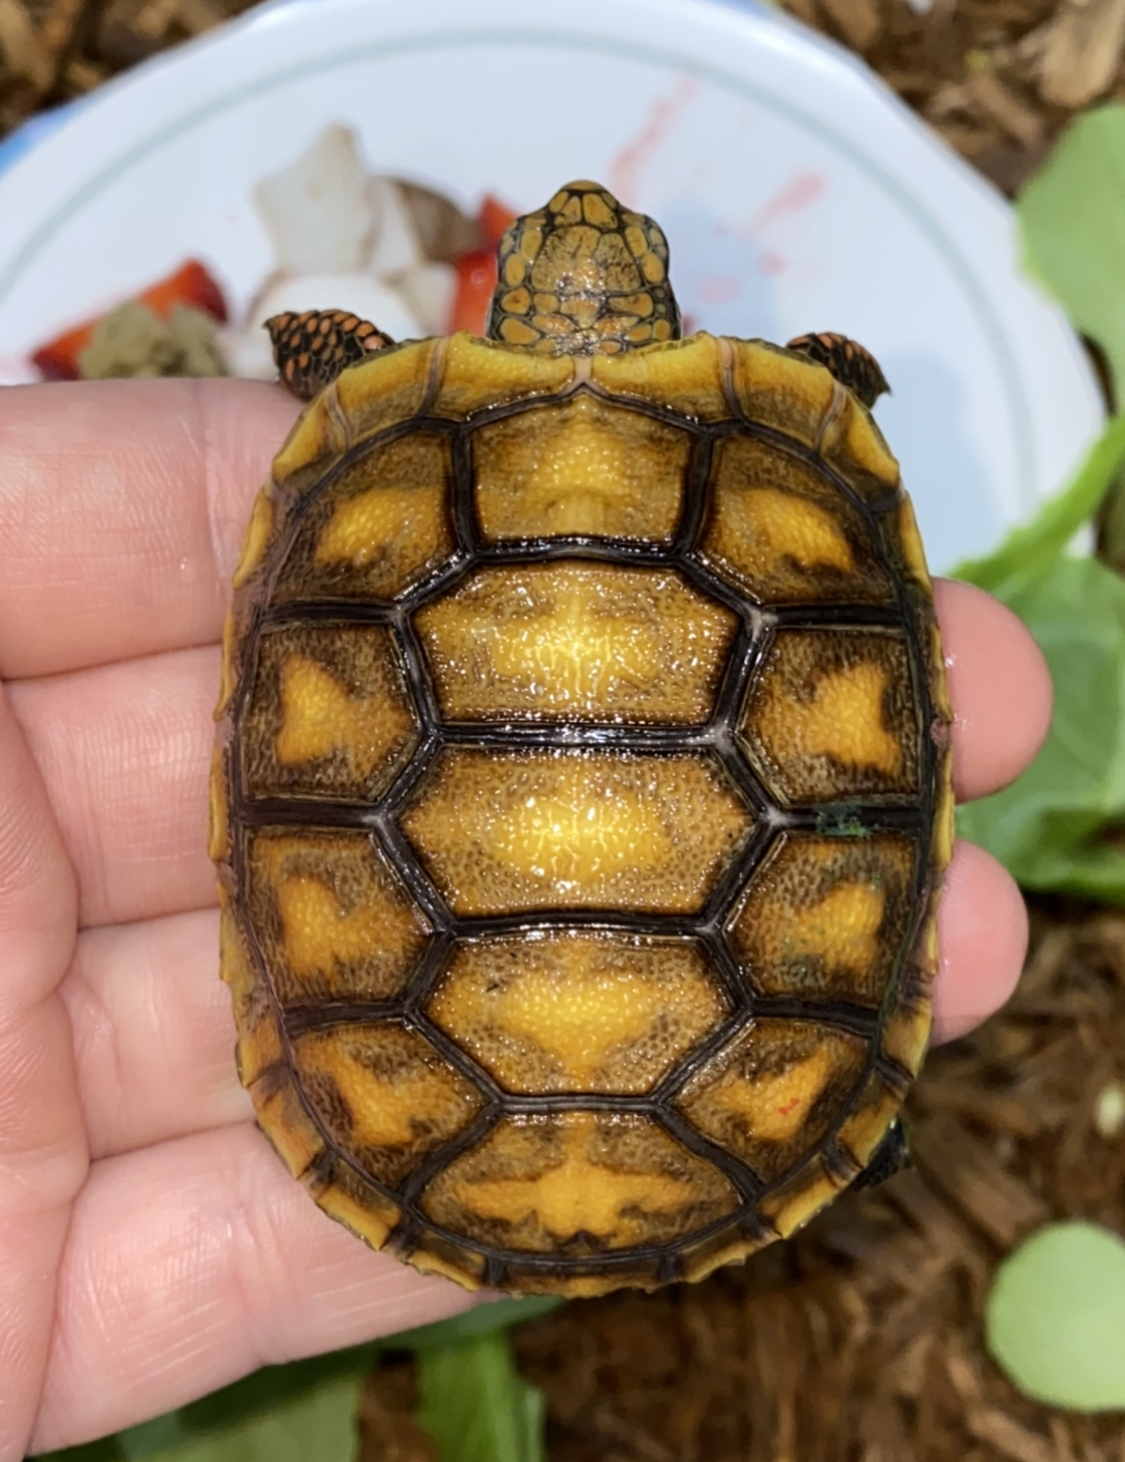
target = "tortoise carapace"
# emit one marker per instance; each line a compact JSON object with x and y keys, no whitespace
{"x":582,"y":788}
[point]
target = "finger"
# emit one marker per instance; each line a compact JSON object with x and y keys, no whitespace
{"x":42,"y":1148}
{"x":189,"y":1264}
{"x":154,"y":1033}
{"x":122,"y":509}
{"x":999,"y":686}
{"x":982,"y":939}
{"x":125,"y":752}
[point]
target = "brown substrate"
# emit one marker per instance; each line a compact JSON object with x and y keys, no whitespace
{"x":998,"y":78}
{"x":861,"y":1340}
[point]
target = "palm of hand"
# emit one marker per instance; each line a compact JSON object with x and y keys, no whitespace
{"x":153,"y":1246}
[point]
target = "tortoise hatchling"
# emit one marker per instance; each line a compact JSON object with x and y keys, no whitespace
{"x":582,"y":789}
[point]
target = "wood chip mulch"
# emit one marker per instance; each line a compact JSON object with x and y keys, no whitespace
{"x":861,"y":1340}
{"x":997,"y":78}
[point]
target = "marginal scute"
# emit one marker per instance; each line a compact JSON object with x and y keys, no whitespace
{"x":259,"y":1036}
{"x":433,"y":1254}
{"x":770,"y":1095}
{"x":853,"y":445}
{"x":866,"y":1124}
{"x":391,"y":387}
{"x":334,"y":921}
{"x":256,"y":541}
{"x":730,"y":1245}
{"x":585,"y":1286}
{"x":906,"y":1034}
{"x":831,"y":715}
{"x":686,"y":375}
{"x":945,"y":828}
{"x":315,"y":443}
{"x":827,"y":918}
{"x":907,"y":543}
{"x":329,"y":714}
{"x":513,"y":830}
{"x":780,"y":389}
{"x":577,"y":640}
{"x":595,"y":1011}
{"x":480,"y":375}
{"x":779,"y":529}
{"x":284,"y":1119}
{"x":218,"y":823}
{"x":791,"y":1204}
{"x":581,"y":467}
{"x":384,"y":1094}
{"x":359,"y":1205}
{"x":578,"y":1183}
{"x":233,"y":647}
{"x":939,"y":689}
{"x":378,"y":528}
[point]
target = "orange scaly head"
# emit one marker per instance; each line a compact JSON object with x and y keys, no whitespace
{"x":583,"y":276}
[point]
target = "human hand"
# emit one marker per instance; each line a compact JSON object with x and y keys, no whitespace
{"x":152,"y":1247}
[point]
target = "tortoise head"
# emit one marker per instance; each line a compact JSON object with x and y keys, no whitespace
{"x":583,"y":276}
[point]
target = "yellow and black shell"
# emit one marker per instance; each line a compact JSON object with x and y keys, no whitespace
{"x":580,"y":802}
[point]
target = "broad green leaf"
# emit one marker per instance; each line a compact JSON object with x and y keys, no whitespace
{"x":1055,"y":827}
{"x":1072,"y":214}
{"x":475,"y":1404}
{"x":320,"y":1423}
{"x":280,"y":1414}
{"x":1028,"y":550}
{"x":1055,"y":1317}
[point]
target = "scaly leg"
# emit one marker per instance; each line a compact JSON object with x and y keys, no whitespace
{"x":849,"y":362}
{"x":313,"y":348}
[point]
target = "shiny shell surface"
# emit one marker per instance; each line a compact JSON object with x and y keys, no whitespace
{"x":580,"y":802}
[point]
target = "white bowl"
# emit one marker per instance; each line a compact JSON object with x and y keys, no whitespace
{"x":797,"y":193}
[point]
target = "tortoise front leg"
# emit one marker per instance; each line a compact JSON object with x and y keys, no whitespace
{"x":313,"y":348}
{"x":851,"y":364}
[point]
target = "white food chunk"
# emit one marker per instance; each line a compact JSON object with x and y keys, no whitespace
{"x":318,"y":211}
{"x":429,"y":291}
{"x":395,"y":245}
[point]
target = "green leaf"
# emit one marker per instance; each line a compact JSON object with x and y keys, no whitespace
{"x":1056,"y":827}
{"x":274,"y":1386}
{"x":1028,"y":550}
{"x":1055,"y":1317}
{"x":1072,"y":214}
{"x":107,"y":1449}
{"x":319,"y":1423}
{"x":286,"y":1420}
{"x":246,"y":1420}
{"x":1053,"y":827}
{"x":476,"y":1406}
